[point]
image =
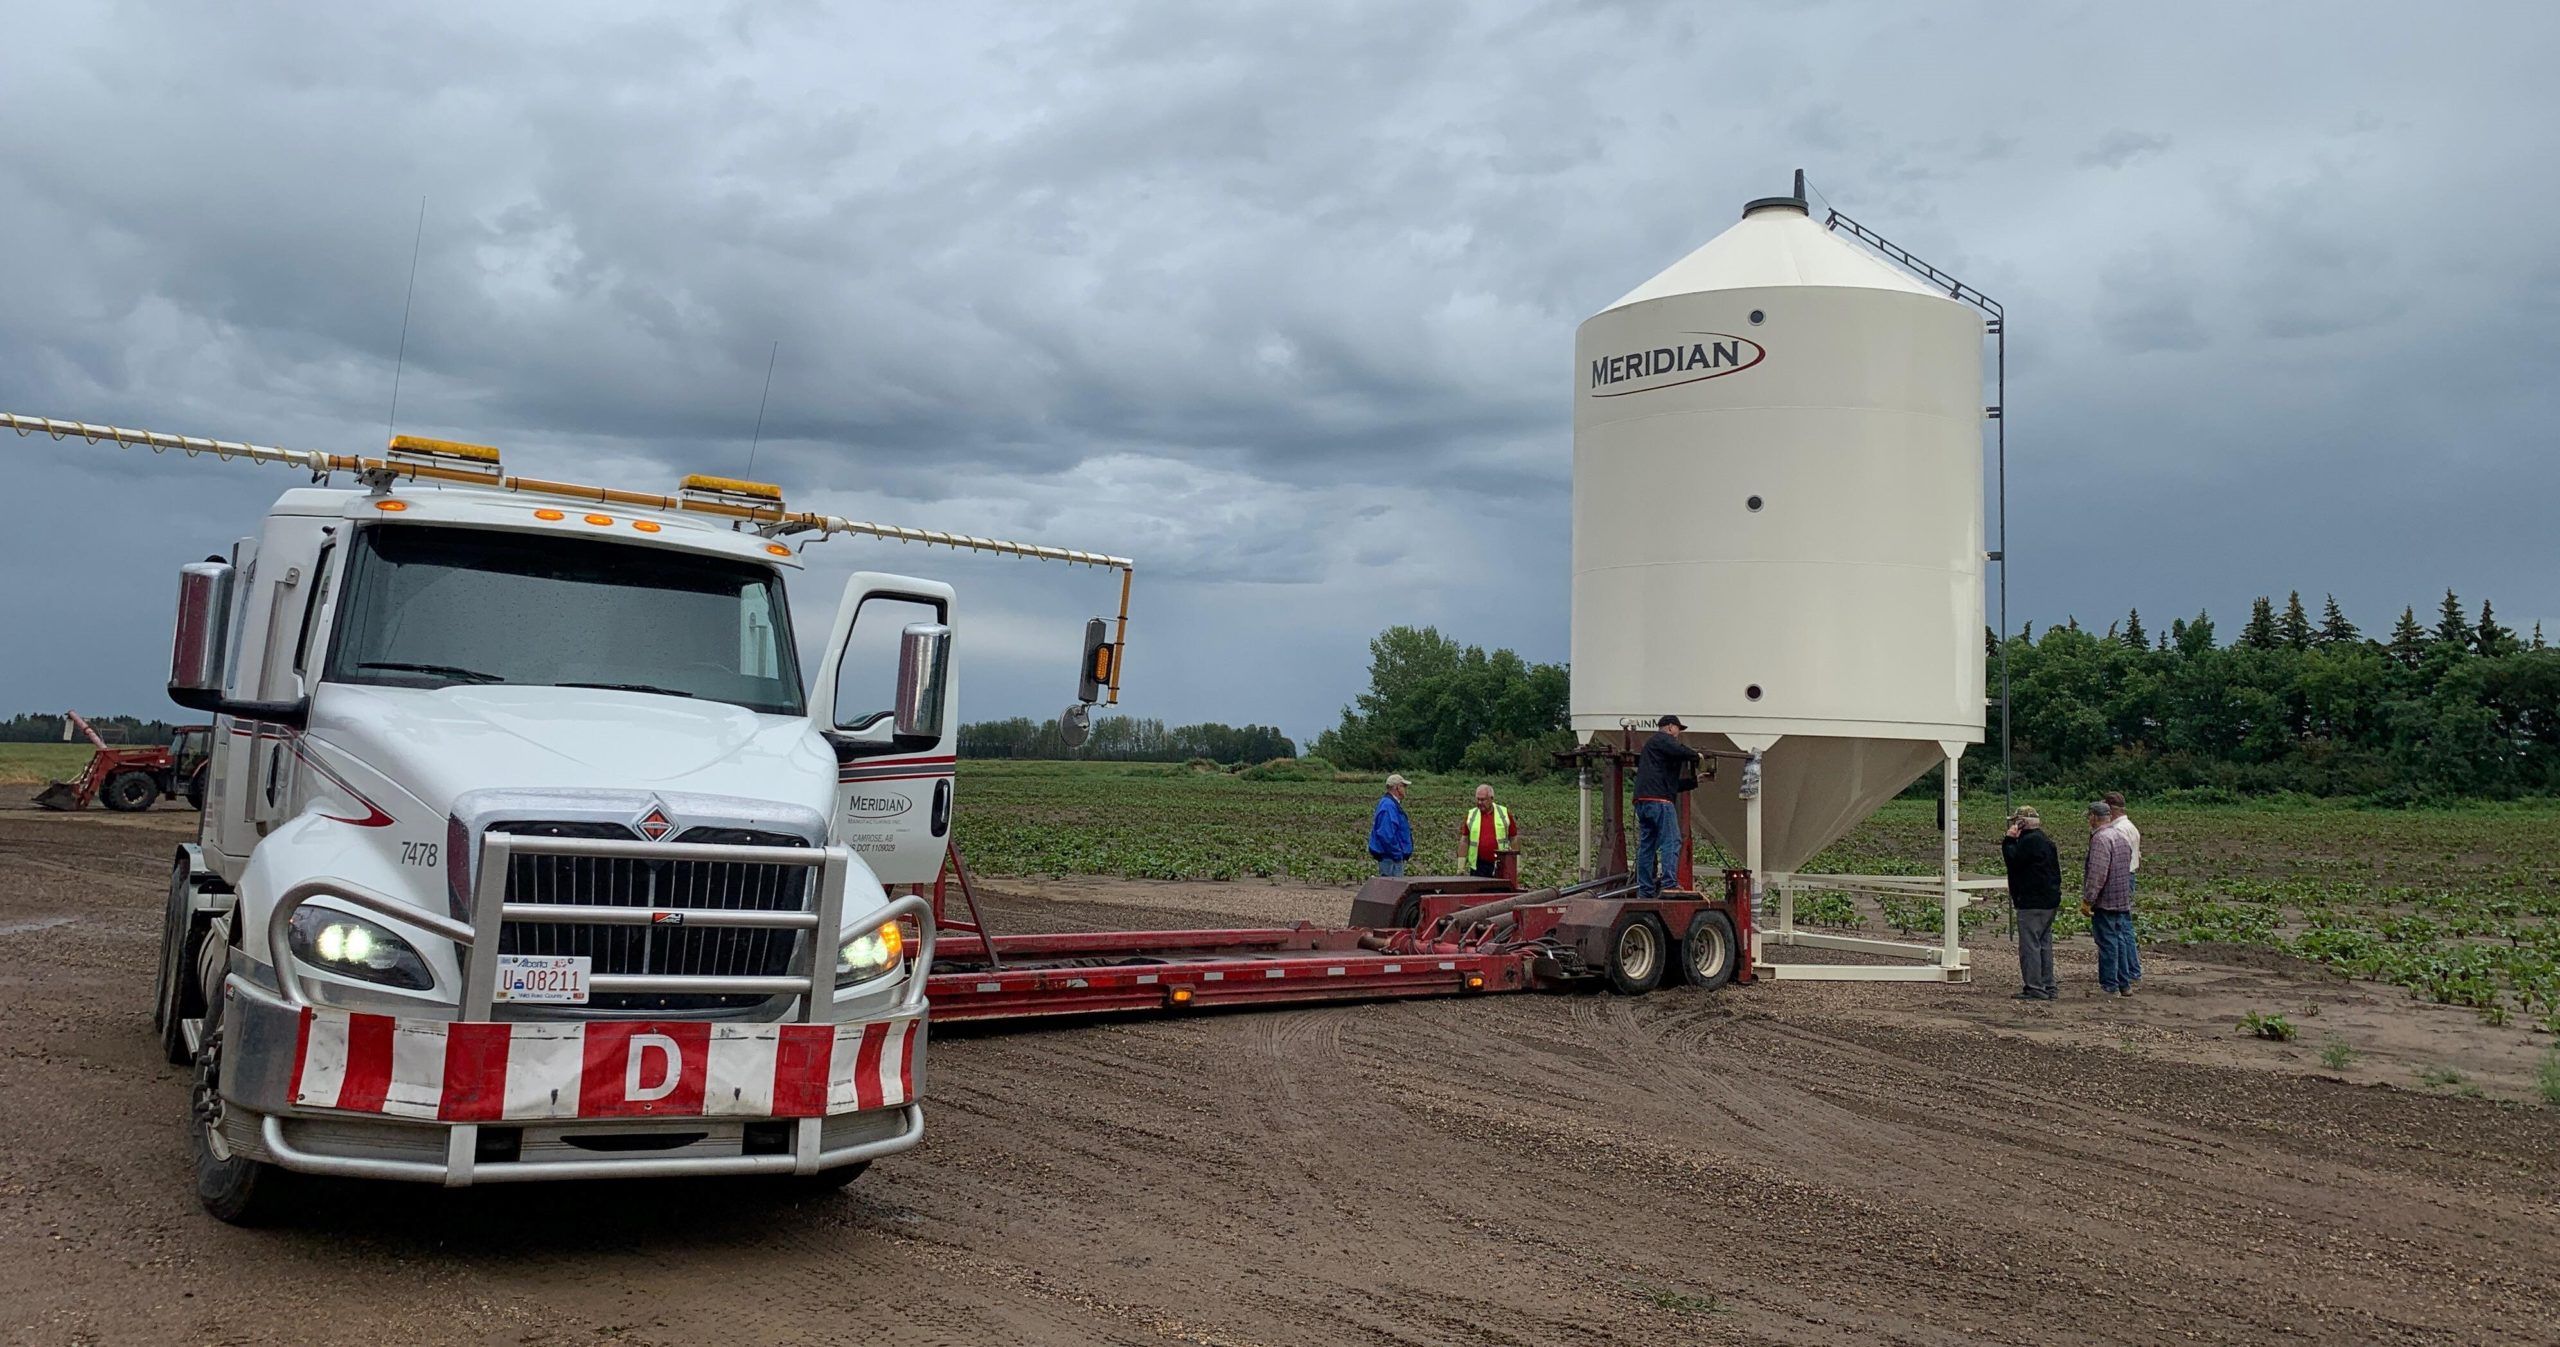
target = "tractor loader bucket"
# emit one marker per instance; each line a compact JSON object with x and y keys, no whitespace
{"x":59,"y":795}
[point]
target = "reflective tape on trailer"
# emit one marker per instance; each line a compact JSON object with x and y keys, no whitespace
{"x":498,"y":1072}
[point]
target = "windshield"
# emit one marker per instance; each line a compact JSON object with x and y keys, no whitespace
{"x":425,"y":606}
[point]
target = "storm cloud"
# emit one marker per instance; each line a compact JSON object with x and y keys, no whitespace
{"x":1278,"y":299}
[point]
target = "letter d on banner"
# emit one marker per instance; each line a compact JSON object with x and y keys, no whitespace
{"x":637,"y":1088}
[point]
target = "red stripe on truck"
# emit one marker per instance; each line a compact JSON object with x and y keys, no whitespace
{"x":475,"y":1072}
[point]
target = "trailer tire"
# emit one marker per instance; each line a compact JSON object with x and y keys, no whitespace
{"x":1708,"y":953}
{"x":235,"y":1189}
{"x":129,"y":791}
{"x":1639,"y":951}
{"x":176,"y":998}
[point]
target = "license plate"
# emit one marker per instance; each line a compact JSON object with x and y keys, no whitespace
{"x":560,"y":979}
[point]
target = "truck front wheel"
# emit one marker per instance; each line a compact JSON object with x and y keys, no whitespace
{"x":177,"y":999}
{"x":236,"y":1189}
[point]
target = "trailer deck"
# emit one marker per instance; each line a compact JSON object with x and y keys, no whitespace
{"x":1405,"y":937}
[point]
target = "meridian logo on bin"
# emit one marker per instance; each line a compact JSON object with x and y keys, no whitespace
{"x":877,"y":806}
{"x":1720,"y":354}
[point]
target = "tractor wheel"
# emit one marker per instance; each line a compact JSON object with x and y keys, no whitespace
{"x":1638,"y":953}
{"x":235,"y":1188}
{"x":1708,"y":953}
{"x":177,"y":999}
{"x":195,"y":790}
{"x":129,"y":791}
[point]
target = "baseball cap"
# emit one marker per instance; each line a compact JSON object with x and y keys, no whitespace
{"x":1668,"y":720}
{"x":2099,"y":809}
{"x":1396,"y":780}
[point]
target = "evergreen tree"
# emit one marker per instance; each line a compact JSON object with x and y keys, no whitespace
{"x":2134,"y":636}
{"x":2071,"y":623}
{"x":2195,"y":635}
{"x":2335,"y":629}
{"x":2164,"y":637}
{"x":2260,"y":634}
{"x":2453,"y":630}
{"x":2491,"y":639}
{"x":2408,"y":639}
{"x":2294,"y":628}
{"x":2537,"y":637}
{"x":2027,"y":633}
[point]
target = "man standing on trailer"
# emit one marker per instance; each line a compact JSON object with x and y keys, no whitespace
{"x":2035,"y":894}
{"x":1488,"y":832}
{"x":2106,"y":894}
{"x":1390,"y":832}
{"x":2122,"y":822}
{"x":1660,"y":779}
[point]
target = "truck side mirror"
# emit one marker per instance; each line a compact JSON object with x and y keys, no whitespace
{"x":924,"y":674}
{"x":201,"y":651}
{"x":1093,"y":675}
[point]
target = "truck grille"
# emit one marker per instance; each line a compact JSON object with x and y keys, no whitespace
{"x":594,"y":881}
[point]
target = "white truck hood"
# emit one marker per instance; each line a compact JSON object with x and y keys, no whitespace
{"x":435,"y":743}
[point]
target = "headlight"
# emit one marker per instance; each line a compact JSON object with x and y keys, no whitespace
{"x":868,"y":955}
{"x":356,"y":948}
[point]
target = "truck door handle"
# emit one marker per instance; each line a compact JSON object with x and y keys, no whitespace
{"x":941,"y":807}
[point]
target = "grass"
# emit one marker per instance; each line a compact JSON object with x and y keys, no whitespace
{"x":2546,"y":1082}
{"x":2438,"y":1077}
{"x":2459,"y":905}
{"x":1677,"y":1302}
{"x":36,"y":764}
{"x":2336,"y":1055}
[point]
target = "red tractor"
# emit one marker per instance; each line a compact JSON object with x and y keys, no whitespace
{"x":134,"y":776}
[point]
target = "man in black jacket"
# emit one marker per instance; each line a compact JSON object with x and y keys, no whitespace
{"x":1659,"y":782}
{"x":2035,"y":890}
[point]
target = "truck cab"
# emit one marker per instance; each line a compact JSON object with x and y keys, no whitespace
{"x":528,"y":853}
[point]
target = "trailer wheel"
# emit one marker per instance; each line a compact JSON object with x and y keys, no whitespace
{"x":1637,"y":950}
{"x":128,"y":791}
{"x":176,"y":998}
{"x":1707,"y":953}
{"x":234,"y":1188}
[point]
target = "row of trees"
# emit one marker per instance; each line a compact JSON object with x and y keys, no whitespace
{"x":43,"y":727}
{"x":2465,"y":707}
{"x":1126,"y":739}
{"x":1435,"y":705}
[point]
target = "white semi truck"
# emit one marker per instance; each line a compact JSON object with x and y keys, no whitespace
{"x":526,"y":856}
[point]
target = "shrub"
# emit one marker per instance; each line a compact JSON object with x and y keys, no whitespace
{"x":2275,"y":1028}
{"x":2336,"y":1055}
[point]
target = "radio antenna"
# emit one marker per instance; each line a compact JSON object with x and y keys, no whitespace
{"x":393,"y":423}
{"x":758,"y":437}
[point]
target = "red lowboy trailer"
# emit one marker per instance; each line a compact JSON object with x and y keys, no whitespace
{"x":1416,"y":936}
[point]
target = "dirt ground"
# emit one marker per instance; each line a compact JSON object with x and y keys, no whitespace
{"x":1787,"y":1163}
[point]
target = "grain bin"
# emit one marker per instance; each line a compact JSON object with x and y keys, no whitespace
{"x":1778,"y":523}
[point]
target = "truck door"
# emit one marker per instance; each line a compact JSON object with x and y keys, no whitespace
{"x":893,"y":790}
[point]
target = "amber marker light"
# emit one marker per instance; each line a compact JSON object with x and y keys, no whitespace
{"x":777,"y":549}
{"x":391,"y":506}
{"x":1475,"y":982}
{"x":1182,"y":996}
{"x":600,"y":520}
{"x":645,"y":526}
{"x":553,"y":515}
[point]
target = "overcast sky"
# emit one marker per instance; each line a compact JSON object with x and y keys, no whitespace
{"x":1278,"y":299}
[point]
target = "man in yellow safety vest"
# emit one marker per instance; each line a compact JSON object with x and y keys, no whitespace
{"x":1488,"y":832}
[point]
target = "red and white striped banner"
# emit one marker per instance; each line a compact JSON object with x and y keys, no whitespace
{"x":495,"y":1072}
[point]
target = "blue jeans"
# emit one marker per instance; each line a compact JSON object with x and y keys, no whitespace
{"x":1388,"y":867}
{"x":1657,"y":846}
{"x":2132,"y":947}
{"x":2114,"y":933}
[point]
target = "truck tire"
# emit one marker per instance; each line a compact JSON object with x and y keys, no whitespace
{"x":235,"y":1189}
{"x":1639,"y":951}
{"x":175,"y":997}
{"x":1709,"y":954}
{"x":128,"y":791}
{"x":826,"y":1180}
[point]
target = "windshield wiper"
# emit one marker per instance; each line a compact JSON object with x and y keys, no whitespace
{"x":446,"y":670}
{"x":630,"y":687}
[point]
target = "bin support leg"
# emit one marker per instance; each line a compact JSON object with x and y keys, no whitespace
{"x":1953,"y":954}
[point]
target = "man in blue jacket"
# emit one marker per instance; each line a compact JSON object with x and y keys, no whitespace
{"x":1390,"y":832}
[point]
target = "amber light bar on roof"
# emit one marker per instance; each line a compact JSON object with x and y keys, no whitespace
{"x":729,"y":499}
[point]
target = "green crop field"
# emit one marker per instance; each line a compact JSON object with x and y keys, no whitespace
{"x":36,"y":764}
{"x":2461,"y":905}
